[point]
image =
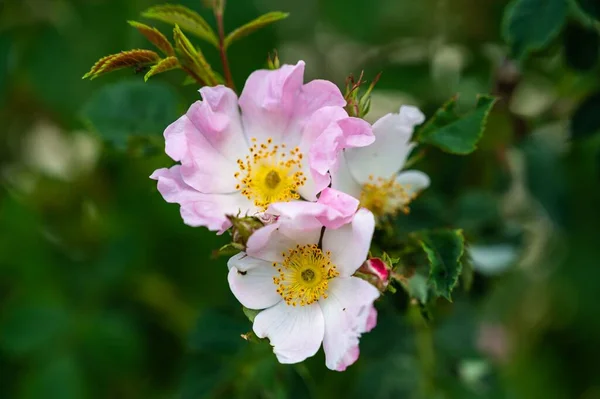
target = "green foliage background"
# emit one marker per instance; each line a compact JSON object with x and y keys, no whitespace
{"x":104,"y":293}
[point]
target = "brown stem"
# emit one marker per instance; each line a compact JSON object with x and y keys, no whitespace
{"x":226,"y":71}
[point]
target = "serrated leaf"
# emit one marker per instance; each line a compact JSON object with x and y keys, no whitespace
{"x":254,"y":25}
{"x":132,"y":58}
{"x":187,"y":19}
{"x":586,"y":119}
{"x":192,"y":60}
{"x":154,"y":36}
{"x":453,"y":133}
{"x":530,"y":25}
{"x":163,"y":65}
{"x":131,"y":108}
{"x":444,"y":250}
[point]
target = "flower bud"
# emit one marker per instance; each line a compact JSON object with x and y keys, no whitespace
{"x":377,"y":272}
{"x":243,"y":227}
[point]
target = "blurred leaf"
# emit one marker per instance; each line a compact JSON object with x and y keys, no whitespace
{"x":112,"y":345}
{"x":586,"y":119}
{"x":530,"y":25}
{"x":124,"y":59}
{"x":581,"y":47}
{"x":192,"y":60}
{"x":254,"y":25}
{"x":444,"y":249}
{"x":418,"y":288}
{"x":164,"y":65}
{"x":187,"y":19}
{"x":59,"y":378}
{"x":217,"y":332}
{"x":131,"y":108}
{"x":454,"y":133}
{"x":154,"y":36}
{"x":30,"y":328}
{"x":590,"y":7}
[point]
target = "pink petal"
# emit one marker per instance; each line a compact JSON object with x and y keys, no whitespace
{"x":332,"y":210}
{"x":349,"y":245}
{"x":218,"y":119}
{"x":198,"y":209}
{"x":202,"y":166}
{"x":346,"y":311}
{"x":295,"y":332}
{"x":268,"y":101}
{"x":251,"y":281}
{"x":387,"y":155}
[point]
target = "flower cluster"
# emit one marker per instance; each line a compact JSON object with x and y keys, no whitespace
{"x":315,"y":181}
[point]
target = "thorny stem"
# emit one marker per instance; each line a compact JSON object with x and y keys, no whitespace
{"x":218,"y":8}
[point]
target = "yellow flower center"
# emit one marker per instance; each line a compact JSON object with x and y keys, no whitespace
{"x":304,"y":275}
{"x":270,"y":173}
{"x":385,"y":197}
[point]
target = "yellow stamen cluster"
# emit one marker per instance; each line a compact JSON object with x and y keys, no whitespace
{"x":385,"y":197}
{"x":270,"y":173}
{"x":304,"y":275}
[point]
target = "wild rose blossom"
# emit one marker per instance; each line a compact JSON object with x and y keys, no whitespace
{"x":275,"y":144}
{"x":302,"y":278}
{"x":373,"y":173}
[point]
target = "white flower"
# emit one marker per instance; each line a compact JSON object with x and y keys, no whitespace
{"x":373,"y":173}
{"x":302,"y":277}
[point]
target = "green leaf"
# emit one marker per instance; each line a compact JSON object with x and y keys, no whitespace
{"x":250,"y":313}
{"x":163,"y":65}
{"x":586,"y":119}
{"x":187,"y":19}
{"x":530,"y":25}
{"x":59,"y":377}
{"x":217,"y":332}
{"x":131,"y":108}
{"x":582,"y":46}
{"x":125,"y":59}
{"x":29,"y":328}
{"x":454,"y":133}
{"x":590,"y":7}
{"x":192,"y":60}
{"x":418,"y":288}
{"x":254,"y":25}
{"x":444,"y":250}
{"x":154,"y":36}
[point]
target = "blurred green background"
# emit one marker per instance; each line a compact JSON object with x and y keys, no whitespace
{"x":105,"y":293}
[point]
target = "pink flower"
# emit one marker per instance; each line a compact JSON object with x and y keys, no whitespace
{"x":373,"y":173}
{"x":302,"y":278}
{"x":275,"y":144}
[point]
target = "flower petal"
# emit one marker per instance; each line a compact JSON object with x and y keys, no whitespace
{"x":251,"y":281}
{"x":271,"y":241}
{"x":346,"y":311}
{"x":349,"y":245}
{"x":268,"y":101}
{"x":218,"y":118}
{"x":413,"y":181}
{"x":198,"y":209}
{"x":387,"y":155}
{"x":295,"y":332}
{"x":332,"y":210}
{"x":342,"y":179}
{"x":202,"y":166}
